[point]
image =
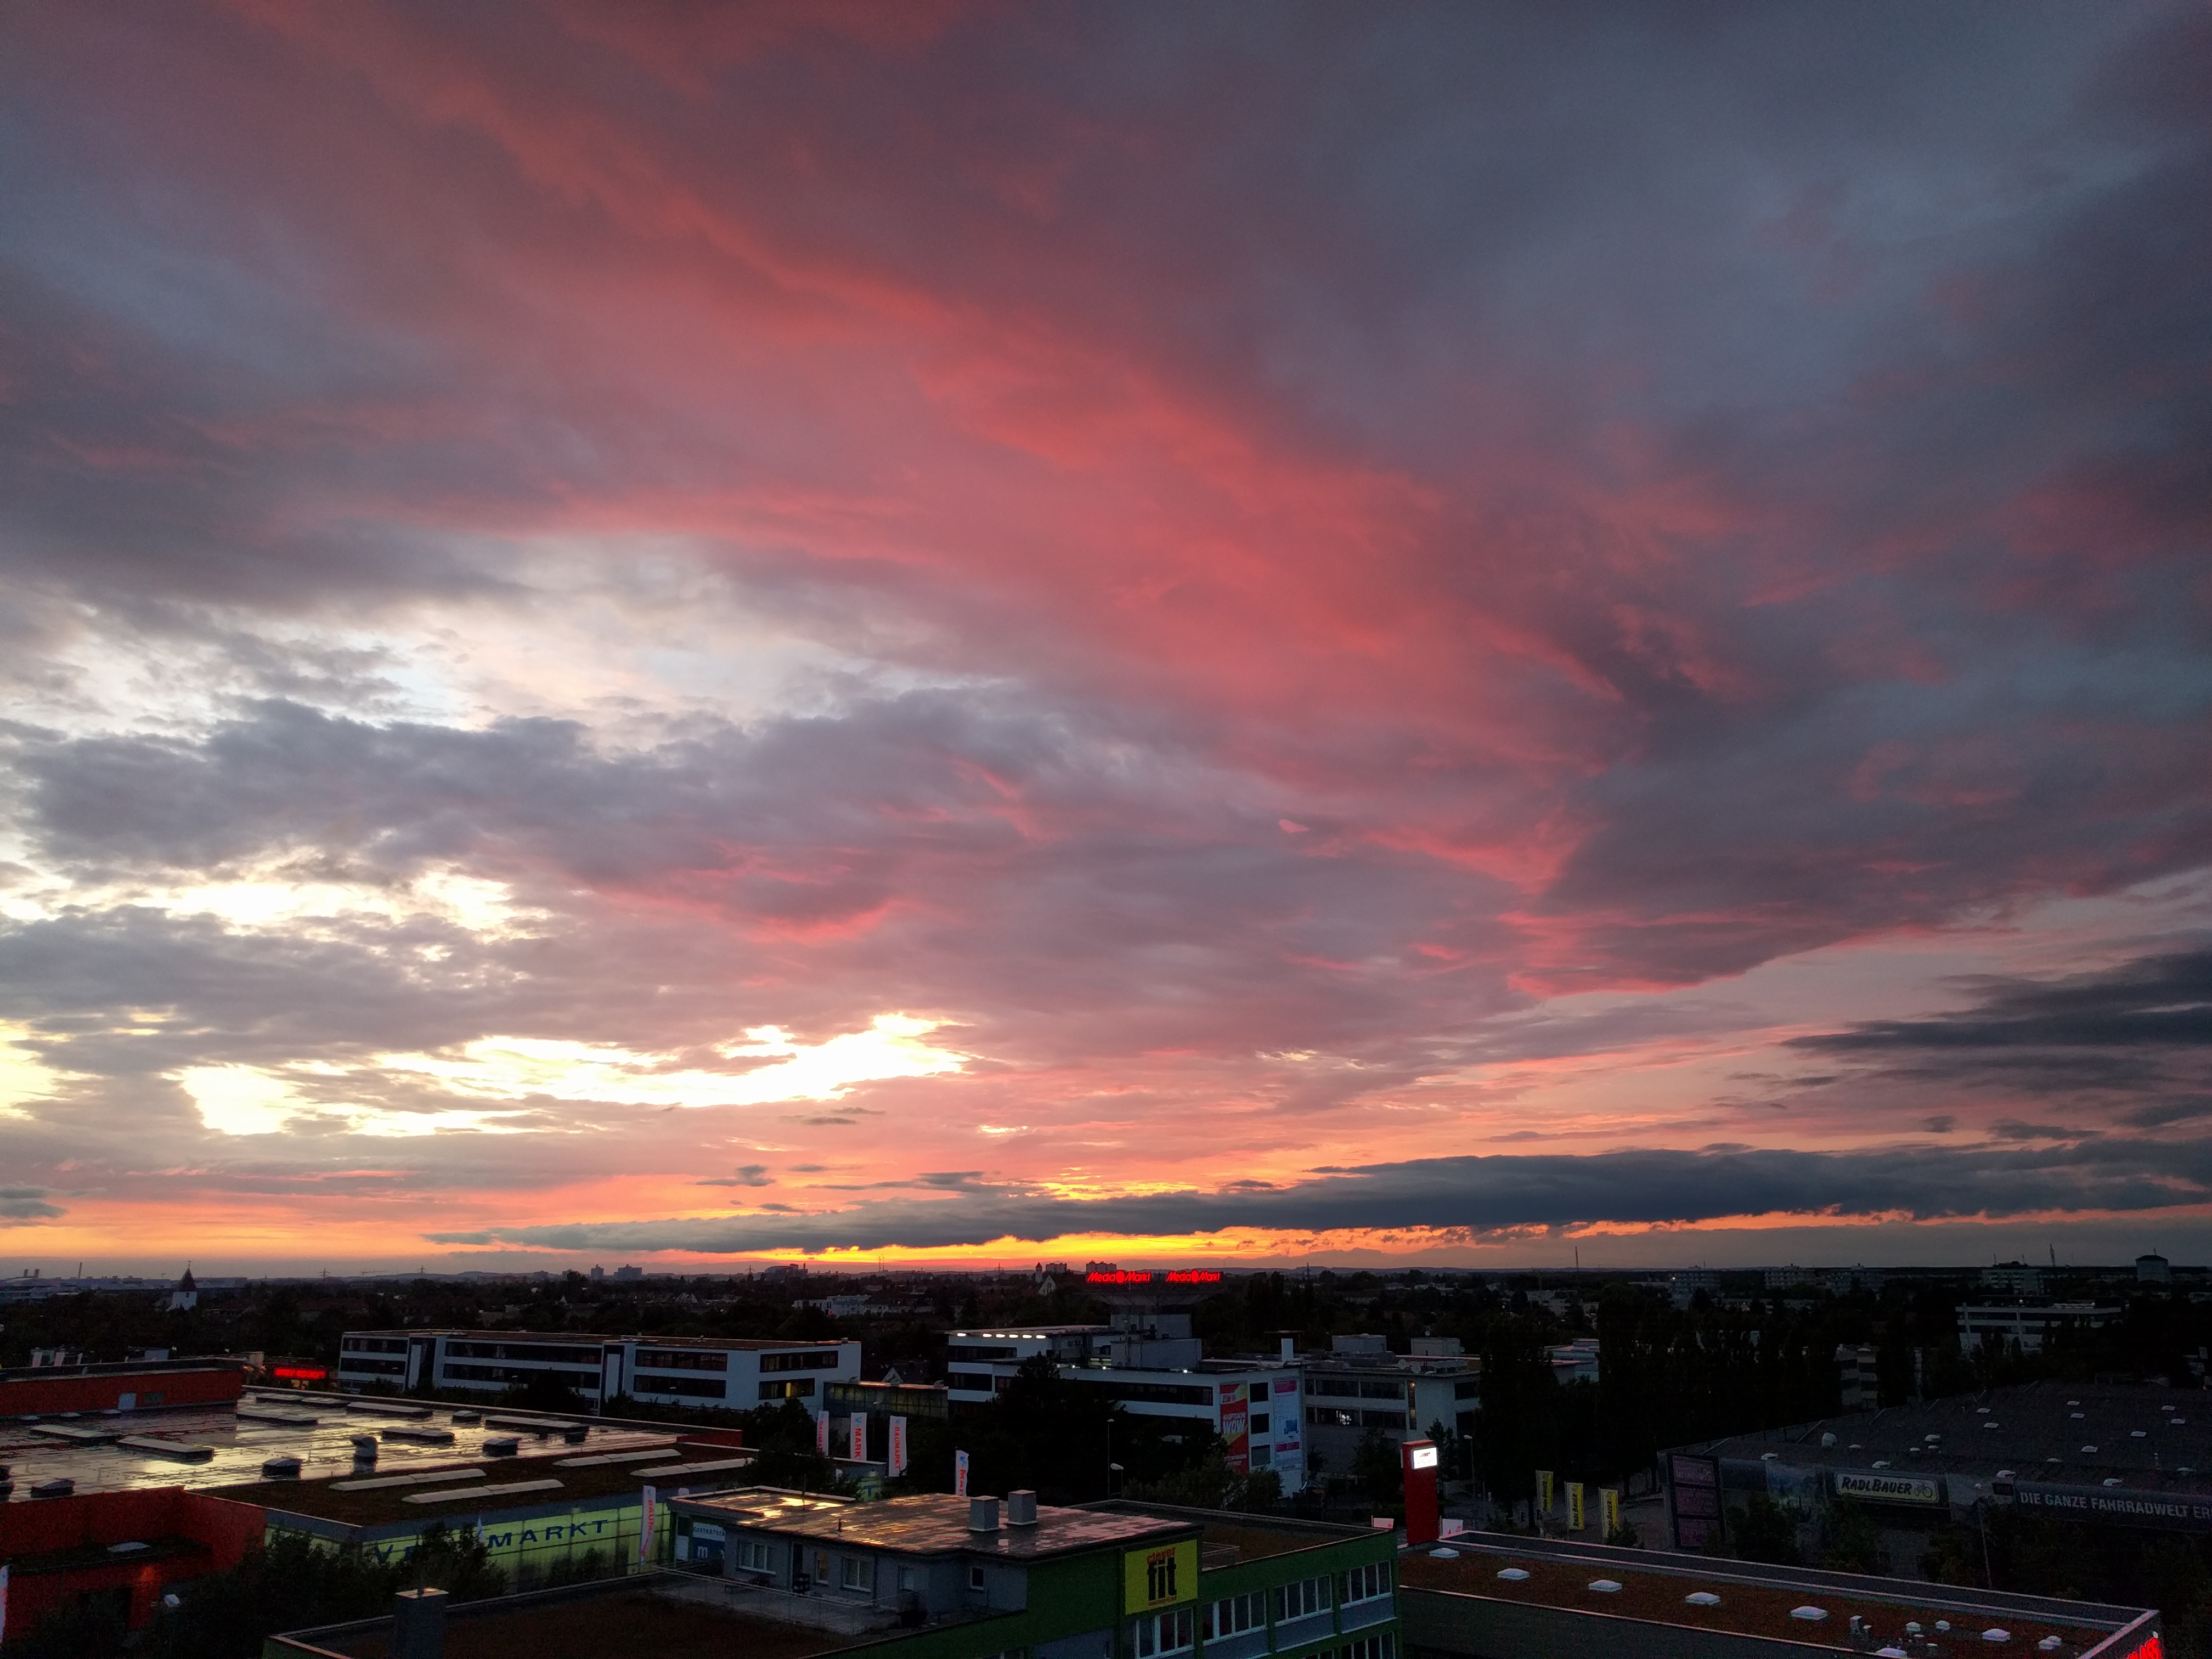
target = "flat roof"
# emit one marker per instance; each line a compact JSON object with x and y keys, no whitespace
{"x":1754,"y":1600}
{"x":1252,"y":1537}
{"x":2068,"y":1433}
{"x":743,"y":1343}
{"x":461,"y":1491}
{"x":934,"y":1525}
{"x":624,"y":1621}
{"x":316,"y":1429}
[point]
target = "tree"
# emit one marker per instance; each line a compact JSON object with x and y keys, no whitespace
{"x":1849,"y":1542}
{"x":1375,"y":1466}
{"x":1767,"y":1532}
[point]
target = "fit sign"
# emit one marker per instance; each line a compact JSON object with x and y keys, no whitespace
{"x":1159,"y":1577}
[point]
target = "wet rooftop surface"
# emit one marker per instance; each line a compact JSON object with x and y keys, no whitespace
{"x":933,"y":1525}
{"x":237,"y":1442}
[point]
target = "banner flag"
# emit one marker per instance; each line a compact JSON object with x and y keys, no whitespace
{"x":1574,"y":1506}
{"x":648,"y":1518}
{"x":1544,"y":1492}
{"x":860,"y":1437}
{"x":1608,"y":1508}
{"x":897,"y":1448}
{"x":821,"y":1432}
{"x":960,"y":1474}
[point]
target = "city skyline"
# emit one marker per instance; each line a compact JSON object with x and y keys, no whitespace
{"x":926,"y":632}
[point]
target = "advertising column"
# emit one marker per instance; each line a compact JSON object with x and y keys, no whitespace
{"x":1420,"y":1472}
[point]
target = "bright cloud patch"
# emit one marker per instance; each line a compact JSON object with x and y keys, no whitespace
{"x":248,"y":1100}
{"x":515,"y":1068}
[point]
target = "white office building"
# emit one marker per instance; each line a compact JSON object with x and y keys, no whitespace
{"x":732,"y":1372}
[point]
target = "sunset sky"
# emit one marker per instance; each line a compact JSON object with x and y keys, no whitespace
{"x":926,"y":632}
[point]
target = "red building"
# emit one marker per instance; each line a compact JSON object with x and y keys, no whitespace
{"x":137,"y":1385}
{"x":126,"y":1547}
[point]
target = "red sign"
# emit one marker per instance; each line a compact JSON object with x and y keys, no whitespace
{"x":1174,"y":1276}
{"x":301,"y":1373}
{"x":1117,"y":1277}
{"x":1193,"y":1276}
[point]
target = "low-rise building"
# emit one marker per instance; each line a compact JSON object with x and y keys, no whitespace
{"x":1152,"y":1368}
{"x":1360,"y":1387}
{"x":1483,"y":1595}
{"x":730,"y":1372}
{"x":775,"y":1575}
{"x":2013,"y":1279}
{"x":2029,"y":1324}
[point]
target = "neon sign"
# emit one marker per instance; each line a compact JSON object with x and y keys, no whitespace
{"x":1173,"y":1276}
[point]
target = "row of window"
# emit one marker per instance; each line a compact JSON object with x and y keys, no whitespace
{"x":558,"y":1352}
{"x":374,"y":1344}
{"x":1332,"y":1417}
{"x":516,"y":1374}
{"x":819,"y":1359}
{"x":1355,"y":1388}
{"x":683,"y":1360}
{"x":1363,"y":1583}
{"x":351,"y":1365}
{"x":688,"y":1388}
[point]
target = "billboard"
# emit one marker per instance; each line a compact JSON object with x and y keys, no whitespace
{"x":896,"y":1449}
{"x":2121,"y":1506}
{"x":1236,"y":1426}
{"x":1695,"y":1483}
{"x":1879,"y":1487}
{"x":1160,"y":1576}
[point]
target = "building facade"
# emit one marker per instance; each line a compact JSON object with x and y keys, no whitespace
{"x":1360,"y":1386}
{"x":732,"y":1373}
{"x":1256,"y":1406}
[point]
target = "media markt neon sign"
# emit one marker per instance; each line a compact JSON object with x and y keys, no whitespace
{"x":1173,"y":1276}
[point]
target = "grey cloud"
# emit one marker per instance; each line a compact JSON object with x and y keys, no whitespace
{"x":1487,"y":1194}
{"x":22,"y":1205}
{"x":748,"y":1174}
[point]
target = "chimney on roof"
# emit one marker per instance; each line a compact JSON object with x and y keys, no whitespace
{"x":983,"y":1516}
{"x":418,"y":1624}
{"x":1021,"y":1509}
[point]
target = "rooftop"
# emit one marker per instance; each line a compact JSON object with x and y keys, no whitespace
{"x":933,"y":1524}
{"x":628,"y":1617}
{"x":2146,"y":1439}
{"x":1748,"y":1599}
{"x":1251,"y":1537}
{"x":742,"y":1343}
{"x":218,"y":1446}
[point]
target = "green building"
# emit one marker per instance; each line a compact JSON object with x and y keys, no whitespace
{"x":768,"y":1572}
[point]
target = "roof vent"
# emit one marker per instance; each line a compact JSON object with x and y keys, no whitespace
{"x":1021,"y":1509}
{"x":982,"y":1515}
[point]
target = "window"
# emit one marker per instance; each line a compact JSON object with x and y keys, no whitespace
{"x":797,"y":1387}
{"x":1263,"y":1457}
{"x":374,"y":1344}
{"x":1363,"y":1584}
{"x":1324,"y":1417}
{"x":857,"y":1572}
{"x":692,"y":1388}
{"x":976,"y":1381}
{"x":816,"y":1360}
{"x":1384,"y":1646}
{"x":1234,"y":1616}
{"x":353,"y":1366}
{"x":682,"y":1359}
{"x":1307,"y":1596}
{"x":1259,"y":1422}
{"x":752,"y":1555}
{"x":1158,"y":1634}
{"x":976,"y":1351}
{"x":974,"y":1578}
{"x":910,"y":1579}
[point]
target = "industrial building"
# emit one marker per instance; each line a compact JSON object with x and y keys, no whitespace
{"x":732,"y":1372}
{"x":2116,"y":1455}
{"x":1487,"y":1596}
{"x":128,"y":1386}
{"x":123,"y":1548}
{"x":2029,"y":1323}
{"x":1154,"y":1368}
